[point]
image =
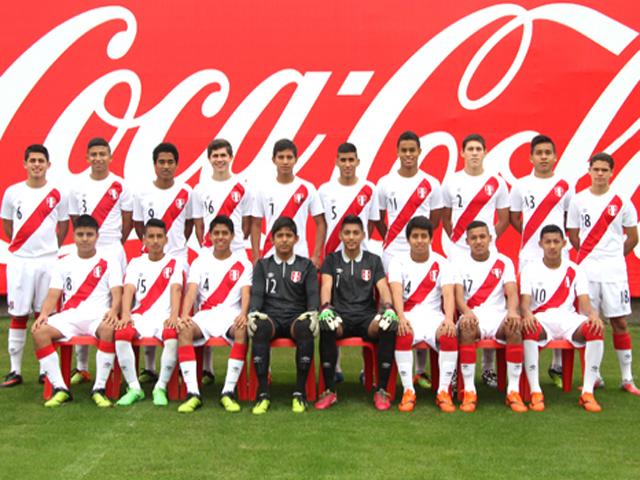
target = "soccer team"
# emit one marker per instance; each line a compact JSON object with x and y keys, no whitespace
{"x":408,"y":296}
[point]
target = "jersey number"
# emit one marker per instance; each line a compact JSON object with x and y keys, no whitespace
{"x":393,"y":203}
{"x":142,"y":287}
{"x":151,"y":213}
{"x":586,"y":220}
{"x":84,"y":205}
{"x":334,"y":215}
{"x":18,"y":214}
{"x":206,"y":284}
{"x":67,"y":284}
{"x":624,"y":297}
{"x":467,"y":284}
{"x":540,"y":295}
{"x":530,"y":202}
{"x":407,"y":288}
{"x":209,"y":207}
{"x":459,"y":197}
{"x":270,"y":285}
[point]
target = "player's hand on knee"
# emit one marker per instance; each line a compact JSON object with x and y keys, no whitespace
{"x":595,"y":324}
{"x":327,"y":317}
{"x":184,"y":323}
{"x":404,"y":327}
{"x":312,"y":316}
{"x":252,"y":321}
{"x":40,"y":322}
{"x":513,"y":321}
{"x":240,"y":321}
{"x":388,"y":318}
{"x":447,"y":328}
{"x":171,"y":322}
{"x":529,"y":322}
{"x":111,"y":318}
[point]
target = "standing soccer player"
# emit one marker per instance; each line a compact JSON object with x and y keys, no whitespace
{"x":284,"y":304}
{"x":483,"y":280}
{"x":34,"y":218}
{"x":603,"y":228}
{"x":91,"y":287}
{"x":287,"y":196}
{"x":423,"y":295}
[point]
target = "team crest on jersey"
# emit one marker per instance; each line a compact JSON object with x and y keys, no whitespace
{"x":558,"y":191}
{"x":488,"y":189}
{"x":179,"y":203}
{"x":422,"y":193}
{"x":365,"y":274}
{"x":234,"y":274}
{"x":362,"y":200}
{"x":496,"y":272}
{"x":296,"y":276}
{"x":113,"y":193}
{"x":97,"y":272}
{"x":298,"y":198}
{"x":567,"y":281}
{"x":167,"y":272}
{"x":235,"y":196}
{"x":51,"y":201}
{"x":612,"y":210}
{"x":434,"y":275}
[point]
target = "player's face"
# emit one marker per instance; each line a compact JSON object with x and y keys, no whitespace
{"x":600,"y":173}
{"x":543,"y":158}
{"x":552,"y":245}
{"x":284,"y":241}
{"x":155,"y":238}
{"x":352,"y":236}
{"x":99,"y":157}
{"x":479,"y":240}
{"x":36,"y":165}
{"x":285,"y":160}
{"x":85,"y":239}
{"x":220,"y":160}
{"x":347,"y":163}
{"x":408,"y":153}
{"x":165,"y":166}
{"x":419,"y":241}
{"x":473,"y":154}
{"x":221,"y":238}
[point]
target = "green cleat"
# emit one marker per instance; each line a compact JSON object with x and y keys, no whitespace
{"x":229,"y":403}
{"x":208,"y":378}
{"x":192,"y":404}
{"x":160,"y":397}
{"x":556,"y":376}
{"x":423,"y":381}
{"x":99,"y":397}
{"x":147,"y":376}
{"x":59,"y":397}
{"x":262,"y":405}
{"x":132,"y":396}
{"x":299,"y":404}
{"x":80,"y":376}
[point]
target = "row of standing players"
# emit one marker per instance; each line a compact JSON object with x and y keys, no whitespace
{"x":471,"y":194}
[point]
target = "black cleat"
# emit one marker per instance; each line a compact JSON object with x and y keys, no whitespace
{"x":12,"y":379}
{"x":41,"y":378}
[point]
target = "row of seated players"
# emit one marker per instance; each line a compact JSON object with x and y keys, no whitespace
{"x":279,"y":297}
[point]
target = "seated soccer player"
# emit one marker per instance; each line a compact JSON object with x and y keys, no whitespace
{"x":422,"y":289}
{"x":91,"y":286}
{"x":483,"y":279}
{"x":219,"y":284}
{"x":548,"y":289}
{"x":349,"y":279}
{"x":284,"y":304}
{"x":154,"y":280}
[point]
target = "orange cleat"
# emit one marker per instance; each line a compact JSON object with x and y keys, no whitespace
{"x":408,"y":402}
{"x":514,"y":401}
{"x":444,"y":402}
{"x":588,"y":402}
{"x":537,"y":402}
{"x":469,"y":402}
{"x":630,"y":387}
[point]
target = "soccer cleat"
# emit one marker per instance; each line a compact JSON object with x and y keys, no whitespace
{"x":422,"y":380}
{"x":339,"y":377}
{"x":408,"y":402}
{"x":381,"y":400}
{"x":192,"y":403}
{"x":132,"y":396}
{"x":327,"y":399}
{"x":537,"y":402}
{"x":588,"y":402}
{"x":630,"y":387}
{"x":99,"y":397}
{"x":599,"y":382}
{"x":160,"y":397}
{"x":229,"y":403}
{"x":60,"y":396}
{"x":298,"y":404}
{"x":11,"y":380}
{"x":469,"y":402}
{"x":262,"y":405}
{"x":41,"y":378}
{"x":208,"y":378}
{"x":515,"y":403}
{"x":147,"y":376}
{"x":80,"y":376}
{"x":489,"y":378}
{"x":556,"y":376}
{"x":444,"y":402}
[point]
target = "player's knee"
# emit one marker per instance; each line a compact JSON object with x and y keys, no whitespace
{"x":588,"y":334}
{"x":106,"y":332}
{"x":513,"y":333}
{"x":619,"y":324}
{"x":383,"y":335}
{"x":263,"y":333}
{"x":302,"y":330}
{"x":328,"y":336}
{"x":533,"y":334}
{"x":126,"y":334}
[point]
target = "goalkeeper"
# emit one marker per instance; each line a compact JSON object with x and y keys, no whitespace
{"x":284,"y":304}
{"x":349,"y":278}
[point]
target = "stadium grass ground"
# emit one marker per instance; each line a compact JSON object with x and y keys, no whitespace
{"x":351,"y":440}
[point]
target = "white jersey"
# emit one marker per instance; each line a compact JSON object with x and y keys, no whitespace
{"x":483,"y":282}
{"x":227,"y":197}
{"x":404,"y":198}
{"x":339,"y":201}
{"x":296,"y":200}
{"x":542,"y":201}
{"x":220,"y":281}
{"x":421,"y":281}
{"x":152,"y":281}
{"x":555,"y":288}
{"x":86,"y":282}
{"x":172,"y":206}
{"x":35,"y":213}
{"x":104,"y":200}
{"x":602,"y":220}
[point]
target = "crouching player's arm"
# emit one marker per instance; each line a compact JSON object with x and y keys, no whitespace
{"x":448,"y":326}
{"x":187,"y":305}
{"x":240,"y":322}
{"x":404,"y":327}
{"x":513,"y":320}
{"x":468,"y":317}
{"x":529,"y":321}
{"x":594,"y":322}
{"x":176,"y":296}
{"x":48,"y":307}
{"x":128,"y":293}
{"x":111,"y":317}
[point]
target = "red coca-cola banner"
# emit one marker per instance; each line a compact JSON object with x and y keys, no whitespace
{"x":138,"y":73}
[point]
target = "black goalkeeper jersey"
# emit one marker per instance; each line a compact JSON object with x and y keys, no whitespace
{"x":354,"y":281}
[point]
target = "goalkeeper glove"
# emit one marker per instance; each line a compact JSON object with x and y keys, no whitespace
{"x":388,"y":320}
{"x":252,"y":321}
{"x":312,"y":316}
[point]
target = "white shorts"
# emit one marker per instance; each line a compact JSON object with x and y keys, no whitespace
{"x":28,"y":283}
{"x":560,"y":325}
{"x":425,"y":323}
{"x":77,"y":322}
{"x":215,"y":323}
{"x":489,"y":321}
{"x":149,"y":324}
{"x":611,"y":298}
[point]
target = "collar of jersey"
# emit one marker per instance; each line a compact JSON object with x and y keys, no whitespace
{"x":347,"y":259}
{"x":279,"y":261}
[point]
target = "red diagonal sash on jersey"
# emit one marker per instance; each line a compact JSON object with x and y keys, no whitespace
{"x":175,"y":208}
{"x":489,"y":284}
{"x":32,"y":223}
{"x":158,"y":287}
{"x":107,"y":202}
{"x":88,"y":286}
{"x":425,"y":287}
{"x":290,"y":210}
{"x":220,"y":294}
{"x":600,"y":227}
{"x":561,"y":294}
{"x":546,"y":205}
{"x":477,"y":203}
{"x":228,"y":206}
{"x":354,"y":209}
{"x":421,"y":192}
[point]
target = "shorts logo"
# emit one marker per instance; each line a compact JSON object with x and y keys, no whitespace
{"x":234,"y":274}
{"x":113,"y":193}
{"x":298,"y":198}
{"x":558,"y":191}
{"x":97,"y":272}
{"x":362,"y":200}
{"x":612,"y":210}
{"x":167,"y":272}
{"x":497,"y":272}
{"x":235,"y":196}
{"x":422,"y":193}
{"x":434,"y":275}
{"x":296,"y":276}
{"x":488,"y":189}
{"x":179,"y":203}
{"x":51,"y":202}
{"x":366,"y":275}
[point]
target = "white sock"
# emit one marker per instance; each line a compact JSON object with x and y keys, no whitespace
{"x":50,"y":365}
{"x":556,"y":362}
{"x":150,"y":358}
{"x":17,"y":339}
{"x":531,"y":356}
{"x":421,"y":361}
{"x":104,"y":364}
{"x":593,"y":353}
{"x":82,"y":357}
{"x":469,"y":375}
{"x":234,"y":369}
{"x":168,"y":362}
{"x":338,"y":366}
{"x":190,"y":376}
{"x":514,"y":370}
{"x":487,"y":359}
{"x":624,"y":359}
{"x":447,"y":362}
{"x":207,"y":359}
{"x":404,"y":360}
{"x":127,"y":361}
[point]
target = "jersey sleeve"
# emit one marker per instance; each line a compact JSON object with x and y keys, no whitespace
{"x":126,"y":198}
{"x":381,"y":193}
{"x":525,"y":280}
{"x":188,"y":208}
{"x":395,"y":271}
{"x":515,"y":198}
{"x":502,"y":197}
{"x":247,"y":200}
{"x":7,"y":204}
{"x":115,"y":274}
{"x":312,"y":288}
{"x":196,"y":203}
{"x":509,"y":274}
{"x":568,"y":197}
{"x":327,"y":265}
{"x":447,"y":198}
{"x":373,"y":212}
{"x":448,"y":273}
{"x":138,"y":214}
{"x":73,"y":205}
{"x":257,"y":204}
{"x":315,"y":204}
{"x":582,"y":283}
{"x":257,"y":287}
{"x":57,"y":277}
{"x":435,"y":199}
{"x":131,"y":272}
{"x":629,"y":214}
{"x":195,"y":272}
{"x":63,"y":206}
{"x":177,"y":278}
{"x":573,"y":217}
{"x":247,"y":274}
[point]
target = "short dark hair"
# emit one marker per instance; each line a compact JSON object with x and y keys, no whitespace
{"x":87,"y":221}
{"x":551,"y":228}
{"x":538,"y":139}
{"x":421,"y":222}
{"x":347,"y":147}
{"x":36,"y":148}
{"x":217,"y":144}
{"x":408,"y":135}
{"x":98,"y":142}
{"x":284,"y":144}
{"x":165,"y":148}
{"x":352,"y":220}
{"x":474,"y":137}
{"x":221,"y":220}
{"x":477,"y":224}
{"x":283,"y":222}
{"x":155,"y":222}
{"x":602,"y":157}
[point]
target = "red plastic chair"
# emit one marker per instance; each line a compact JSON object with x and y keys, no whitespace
{"x":369,"y":355}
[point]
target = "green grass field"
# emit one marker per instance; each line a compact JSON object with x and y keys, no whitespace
{"x":351,"y":440}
